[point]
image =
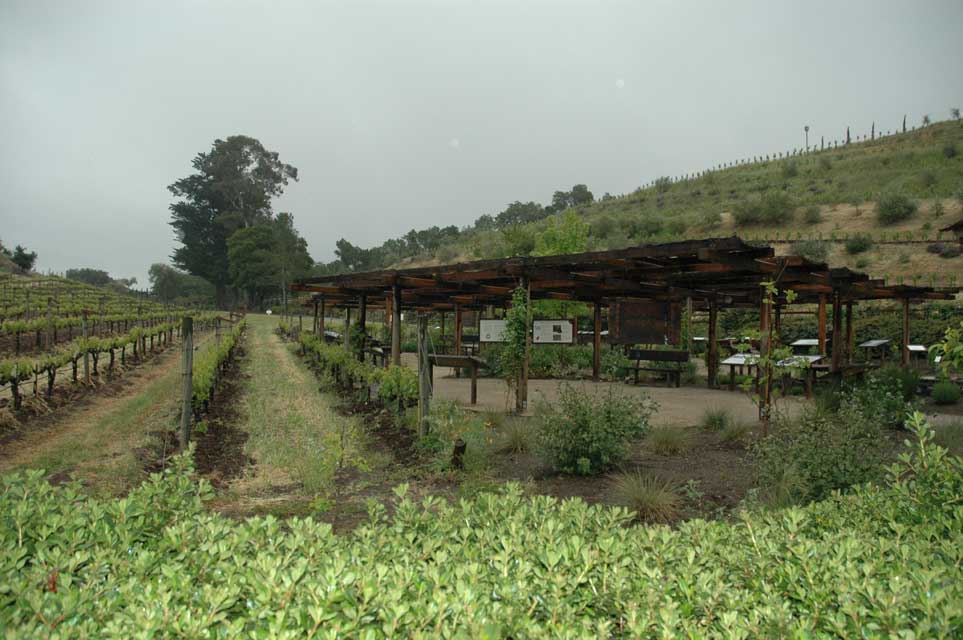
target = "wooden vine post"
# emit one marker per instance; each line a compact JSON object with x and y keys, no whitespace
{"x":187,"y":387}
{"x":83,"y":326}
{"x":424,"y":375}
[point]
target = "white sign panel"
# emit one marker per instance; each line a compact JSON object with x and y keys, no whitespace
{"x":491,"y":330}
{"x":552,"y":332}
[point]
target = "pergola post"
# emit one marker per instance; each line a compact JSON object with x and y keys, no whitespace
{"x":396,"y":325}
{"x":363,"y":323}
{"x":347,"y":329}
{"x":314,"y":324}
{"x":688,"y":322}
{"x":821,"y":320}
{"x":459,"y":325}
{"x":778,"y":319}
{"x":906,"y":332}
{"x":712,"y":377}
{"x":321,"y":313}
{"x":837,"y":358}
{"x":849,"y":332}
{"x":424,"y":375}
{"x":521,"y":393}
{"x":597,"y":342}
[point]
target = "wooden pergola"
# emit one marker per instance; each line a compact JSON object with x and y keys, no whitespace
{"x":705,"y":275}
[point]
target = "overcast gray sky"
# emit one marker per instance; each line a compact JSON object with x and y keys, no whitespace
{"x":401,"y":115}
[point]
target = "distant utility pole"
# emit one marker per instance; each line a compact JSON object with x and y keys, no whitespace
{"x":806,"y":129}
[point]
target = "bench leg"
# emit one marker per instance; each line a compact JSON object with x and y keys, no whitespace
{"x":474,"y":385}
{"x":636,"y":376}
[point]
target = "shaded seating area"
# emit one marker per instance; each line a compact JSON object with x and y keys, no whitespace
{"x":642,"y":289}
{"x":651,"y":359}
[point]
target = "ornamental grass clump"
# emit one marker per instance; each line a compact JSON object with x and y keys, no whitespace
{"x":651,"y":498}
{"x":588,"y":433}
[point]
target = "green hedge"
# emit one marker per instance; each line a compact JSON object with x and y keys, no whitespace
{"x":882,"y":562}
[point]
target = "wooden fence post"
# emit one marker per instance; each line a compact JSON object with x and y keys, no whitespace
{"x":86,"y":352}
{"x":187,"y":388}
{"x":424,"y":376}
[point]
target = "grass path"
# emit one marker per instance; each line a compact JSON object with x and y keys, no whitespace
{"x":98,"y":439}
{"x":295,"y":436}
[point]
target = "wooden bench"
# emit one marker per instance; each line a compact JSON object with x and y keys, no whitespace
{"x":457,"y":362}
{"x":658,"y":355}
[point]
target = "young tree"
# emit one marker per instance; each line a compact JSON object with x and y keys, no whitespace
{"x":926,"y":120}
{"x":231,"y":189}
{"x":955,"y":112}
{"x":23,"y":258}
{"x":168,"y":284}
{"x":253,"y":267}
{"x":291,"y":257}
{"x":95,"y":277}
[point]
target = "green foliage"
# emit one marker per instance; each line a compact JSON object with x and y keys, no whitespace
{"x":893,"y":207}
{"x":950,"y":349}
{"x":775,"y":207}
{"x":859,"y":243}
{"x":511,"y":357}
{"x":716,"y":419}
{"x":517,"y":436}
{"x":650,"y":498}
{"x":398,"y":386}
{"x":946,"y":392}
{"x":949,"y":151}
{"x":904,"y":380}
{"x":883,"y":561}
{"x":808,"y":457}
{"x":567,"y":235}
{"x":735,"y":433}
{"x":668,"y":441}
{"x":812,"y":215}
{"x":587,"y":433}
{"x":789,"y":169}
{"x":209,"y":363}
{"x":815,"y":250}
{"x":22,"y":257}
{"x":881,"y":398}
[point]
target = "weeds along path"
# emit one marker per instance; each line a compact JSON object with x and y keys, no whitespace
{"x":296,"y":438}
{"x":105,"y":440}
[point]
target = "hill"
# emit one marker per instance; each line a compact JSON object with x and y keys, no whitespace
{"x":813,"y":203}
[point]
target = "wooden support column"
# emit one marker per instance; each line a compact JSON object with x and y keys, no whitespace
{"x":821,"y":320}
{"x":396,"y":325}
{"x":347,"y":329}
{"x":363,"y":323}
{"x":321,"y":312}
{"x":521,"y":393}
{"x":424,"y":376}
{"x":778,"y":319}
{"x":906,"y":332}
{"x":597,"y":342}
{"x":314,"y":324}
{"x":712,"y":377}
{"x":459,"y":325}
{"x":688,"y":322}
{"x":837,"y":357}
{"x":849,"y":333}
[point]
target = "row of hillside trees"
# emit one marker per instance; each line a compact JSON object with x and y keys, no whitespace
{"x":427,"y":241}
{"x":229,"y":235}
{"x":100,"y":278}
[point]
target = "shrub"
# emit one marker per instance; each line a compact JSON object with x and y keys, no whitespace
{"x":825,"y":163}
{"x":927,"y":178}
{"x":950,"y":436}
{"x":517,"y":436}
{"x":735,"y":433}
{"x":859,"y":243}
{"x":588,"y":433}
{"x":937,"y":209}
{"x":667,"y":441}
{"x":894,"y":376}
{"x":862,"y":263}
{"x":884,"y":561}
{"x":789,"y":169}
{"x":652,"y":499}
{"x":774,"y":207}
{"x":894,"y":207}
{"x":715,"y":419}
{"x":812,"y":215}
{"x":949,"y":150}
{"x":881,"y":398}
{"x":946,"y":392}
{"x":807,"y":458}
{"x":815,"y":250}
{"x":950,"y":251}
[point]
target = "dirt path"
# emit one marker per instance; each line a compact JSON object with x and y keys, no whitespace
{"x":104,"y":439}
{"x":294,"y":435}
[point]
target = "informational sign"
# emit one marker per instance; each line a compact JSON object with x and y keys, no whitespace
{"x":552,"y":332}
{"x":491,"y":330}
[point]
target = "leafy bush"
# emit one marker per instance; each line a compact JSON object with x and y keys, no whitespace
{"x":927,"y":178}
{"x":946,"y":392}
{"x":735,"y":433}
{"x":398,"y":387}
{"x":815,"y":250}
{"x":884,"y":561}
{"x":789,"y":169}
{"x":949,"y":150}
{"x":902,"y":379}
{"x":774,"y":207}
{"x":894,"y":207}
{"x":859,"y":243}
{"x":588,"y":433}
{"x":652,"y":499}
{"x":812,"y":215}
{"x":667,"y":441}
{"x":807,"y":458}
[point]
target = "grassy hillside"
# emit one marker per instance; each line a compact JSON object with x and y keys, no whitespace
{"x":829,"y":195}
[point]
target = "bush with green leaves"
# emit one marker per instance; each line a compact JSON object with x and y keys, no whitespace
{"x":587,"y":433}
{"x":807,"y":457}
{"x":904,"y":379}
{"x":812,"y":214}
{"x":859,"y":243}
{"x":893,"y":207}
{"x":774,"y":207}
{"x":815,"y":250}
{"x":881,"y":398}
{"x":883,"y":561}
{"x":652,"y":499}
{"x":946,"y":392}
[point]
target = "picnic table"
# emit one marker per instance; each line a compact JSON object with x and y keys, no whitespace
{"x":745,"y":361}
{"x":874,"y":348}
{"x":809,"y":378}
{"x":472,"y":363}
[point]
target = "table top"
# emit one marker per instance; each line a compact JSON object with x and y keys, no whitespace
{"x":738,"y":359}
{"x":806,"y":342}
{"x":916,"y":347}
{"x":798,"y":360}
{"x":872,"y":344}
